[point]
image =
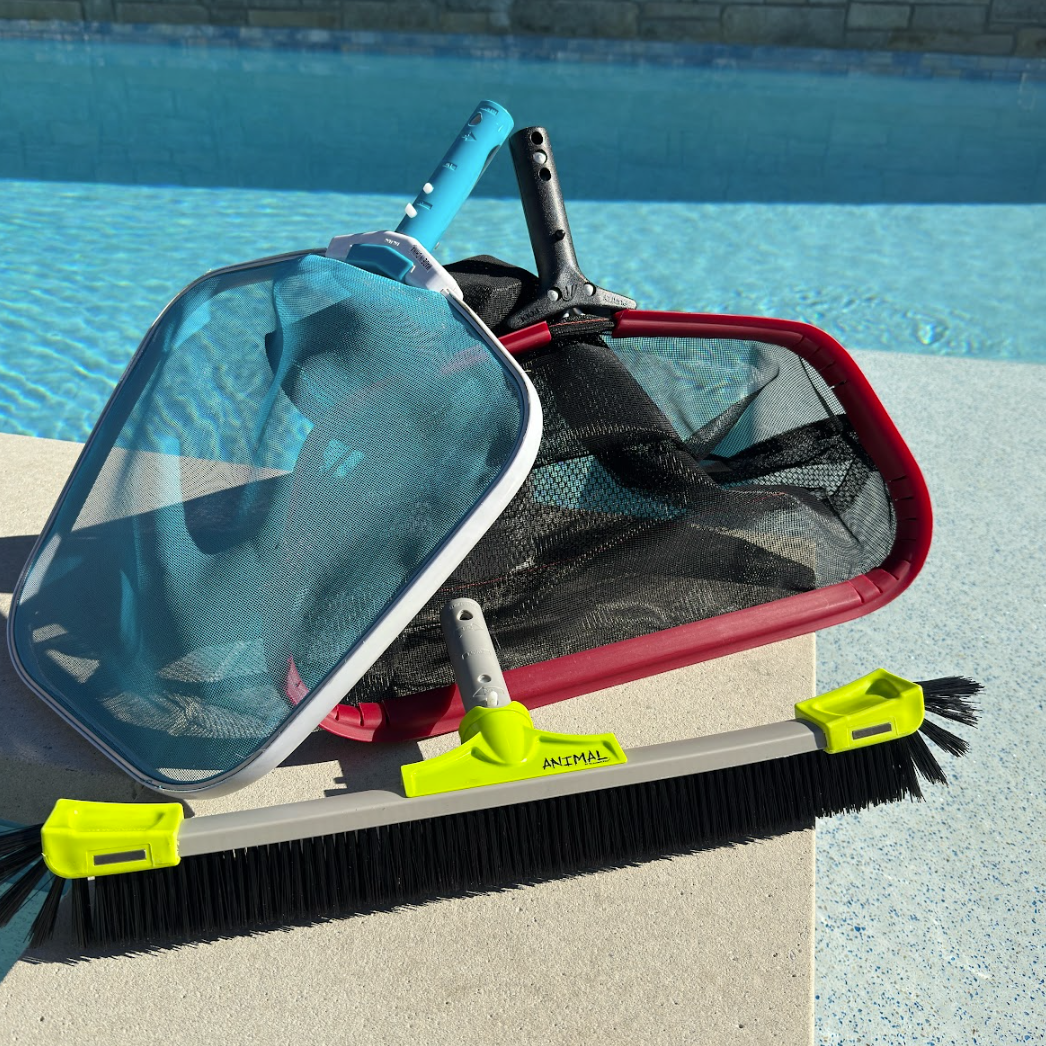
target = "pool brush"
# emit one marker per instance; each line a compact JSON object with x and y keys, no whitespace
{"x":512,"y":805}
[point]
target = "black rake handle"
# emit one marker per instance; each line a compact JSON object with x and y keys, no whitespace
{"x":563,"y":287}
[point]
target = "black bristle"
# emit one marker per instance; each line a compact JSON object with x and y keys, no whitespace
{"x":12,"y":839}
{"x":922,"y":758}
{"x":82,"y":912}
{"x":18,"y":892}
{"x":15,"y":860}
{"x":944,"y":739}
{"x":946,"y":697}
{"x":44,"y":923}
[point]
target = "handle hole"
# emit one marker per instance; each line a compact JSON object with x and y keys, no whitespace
{"x":558,"y":235}
{"x":537,"y":137}
{"x":545,"y":174}
{"x":477,"y":118}
{"x":484,"y":678}
{"x":465,"y":615}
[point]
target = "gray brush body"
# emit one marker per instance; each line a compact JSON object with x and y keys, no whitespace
{"x":316,"y":817}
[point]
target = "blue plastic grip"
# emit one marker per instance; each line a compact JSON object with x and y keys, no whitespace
{"x":457,"y":174}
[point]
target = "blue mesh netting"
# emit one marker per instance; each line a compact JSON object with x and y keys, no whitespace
{"x":289,"y":448}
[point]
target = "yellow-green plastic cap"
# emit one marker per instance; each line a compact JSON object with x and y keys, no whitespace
{"x":83,"y":839}
{"x":502,"y":744}
{"x":877,"y":707}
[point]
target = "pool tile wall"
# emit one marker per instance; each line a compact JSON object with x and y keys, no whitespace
{"x":978,"y":27}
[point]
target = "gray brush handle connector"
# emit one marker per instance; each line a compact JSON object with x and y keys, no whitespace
{"x":472,"y":658}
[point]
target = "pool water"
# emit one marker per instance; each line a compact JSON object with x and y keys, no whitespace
{"x":898,"y":214}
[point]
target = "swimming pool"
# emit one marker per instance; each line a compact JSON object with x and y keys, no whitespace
{"x":901,"y":215}
{"x":892,"y":211}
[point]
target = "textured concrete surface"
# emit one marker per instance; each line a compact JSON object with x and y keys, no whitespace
{"x":710,"y":948}
{"x":930,"y":925}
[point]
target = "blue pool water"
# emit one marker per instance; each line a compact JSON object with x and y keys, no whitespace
{"x":898,"y":214}
{"x":905,"y":216}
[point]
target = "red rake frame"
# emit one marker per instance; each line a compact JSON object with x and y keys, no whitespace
{"x":439,"y":711}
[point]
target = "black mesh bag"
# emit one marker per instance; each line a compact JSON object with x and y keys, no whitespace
{"x":704,"y":484}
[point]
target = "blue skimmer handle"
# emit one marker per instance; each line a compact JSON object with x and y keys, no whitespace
{"x":443,"y":194}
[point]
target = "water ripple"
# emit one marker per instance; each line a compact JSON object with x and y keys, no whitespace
{"x":87,"y":267}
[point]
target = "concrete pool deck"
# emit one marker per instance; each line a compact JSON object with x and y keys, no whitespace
{"x":715,"y":947}
{"x":929,"y":923}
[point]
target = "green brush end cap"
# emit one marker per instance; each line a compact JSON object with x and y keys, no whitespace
{"x":502,"y":744}
{"x":82,"y":839}
{"x":877,"y":707}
